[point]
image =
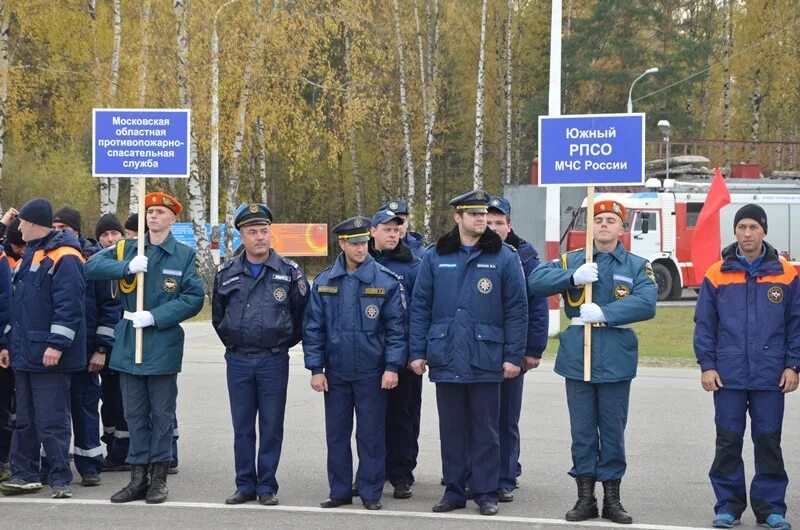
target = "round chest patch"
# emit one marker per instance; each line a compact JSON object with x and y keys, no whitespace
{"x":775,"y":294}
{"x":621,"y":291}
{"x":170,"y":285}
{"x":485,"y":285}
{"x":371,"y":311}
{"x":279,"y":294}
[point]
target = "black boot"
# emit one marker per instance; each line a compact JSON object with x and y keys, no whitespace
{"x":612,"y":507}
{"x":586,"y":507}
{"x":157,"y":492}
{"x":136,"y":488}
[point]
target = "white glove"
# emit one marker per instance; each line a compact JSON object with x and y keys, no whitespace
{"x":586,"y":273}
{"x":137,"y":264}
{"x":142,"y":319}
{"x":591,"y":313}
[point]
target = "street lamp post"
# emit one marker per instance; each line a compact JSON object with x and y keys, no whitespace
{"x":630,"y":92}
{"x":214,"y":187}
{"x":664,"y":127}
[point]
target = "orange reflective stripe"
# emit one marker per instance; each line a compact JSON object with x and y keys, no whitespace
{"x":789,"y":274}
{"x":717,"y":277}
{"x":12,"y":261}
{"x":56,"y":254}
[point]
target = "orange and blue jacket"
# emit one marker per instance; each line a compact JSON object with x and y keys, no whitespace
{"x":747,"y":322}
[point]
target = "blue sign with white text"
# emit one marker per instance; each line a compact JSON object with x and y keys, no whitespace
{"x":591,"y":149}
{"x":141,"y":142}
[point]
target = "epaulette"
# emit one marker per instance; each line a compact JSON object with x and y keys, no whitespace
{"x":430,"y":246}
{"x":511,"y":247}
{"x":388,"y":271}
{"x":227,"y":263}
{"x":290,"y":262}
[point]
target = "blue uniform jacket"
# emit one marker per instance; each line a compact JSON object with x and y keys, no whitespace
{"x":103,"y":310}
{"x":469,"y":311}
{"x":538,"y":317}
{"x":626,"y":291}
{"x":413,"y":241}
{"x":5,"y":297}
{"x":253,"y":314}
{"x":354,"y":322}
{"x":46,"y":308}
{"x":747,"y":326}
{"x":400,"y":261}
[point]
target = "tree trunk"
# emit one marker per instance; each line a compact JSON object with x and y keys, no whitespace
{"x":755,"y":108}
{"x":262,"y":158}
{"x":143,"y":64}
{"x":91,"y":7}
{"x":477,"y":178}
{"x":411,"y":191}
{"x":113,"y":183}
{"x":5,"y":22}
{"x":351,"y":132}
{"x":509,"y":122}
{"x":241,"y":121}
{"x":194,"y":189}
{"x":429,"y":77}
{"x":727,"y":32}
{"x":273,"y":168}
{"x":498,"y":30}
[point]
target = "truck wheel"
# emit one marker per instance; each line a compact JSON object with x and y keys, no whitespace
{"x":663,"y":280}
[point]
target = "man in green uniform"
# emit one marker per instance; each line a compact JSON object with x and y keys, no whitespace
{"x":173,"y":293}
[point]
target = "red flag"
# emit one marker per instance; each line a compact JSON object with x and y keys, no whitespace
{"x":706,"y":242}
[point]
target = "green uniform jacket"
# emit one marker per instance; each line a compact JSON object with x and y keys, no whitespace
{"x":626,"y":292}
{"x":173,"y":293}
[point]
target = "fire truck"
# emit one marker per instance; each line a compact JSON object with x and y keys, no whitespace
{"x":661,"y":222}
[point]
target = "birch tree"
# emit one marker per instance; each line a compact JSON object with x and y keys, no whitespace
{"x":477,"y":178}
{"x":194,"y":188}
{"x":509,"y":108}
{"x":91,"y":7}
{"x":144,"y":46}
{"x":241,"y":122}
{"x":351,"y":129}
{"x":113,"y":182}
{"x":409,"y":158}
{"x":262,"y":157}
{"x":727,"y":46}
{"x":429,"y":79}
{"x":5,"y":22}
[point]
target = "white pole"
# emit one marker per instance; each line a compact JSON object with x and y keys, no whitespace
{"x":214,"y":185}
{"x":630,"y":92}
{"x":553,"y":203}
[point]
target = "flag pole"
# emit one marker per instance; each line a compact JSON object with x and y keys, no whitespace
{"x":589,"y":247}
{"x":140,"y":275}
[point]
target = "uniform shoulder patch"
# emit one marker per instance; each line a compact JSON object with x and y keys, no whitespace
{"x":648,"y":270}
{"x":510,"y":247}
{"x":290,"y":262}
{"x":389,"y":272}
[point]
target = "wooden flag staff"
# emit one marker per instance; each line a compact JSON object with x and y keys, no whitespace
{"x":140,"y":275}
{"x":589,"y":247}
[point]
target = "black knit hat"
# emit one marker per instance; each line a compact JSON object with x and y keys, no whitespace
{"x":107,"y":222}
{"x":13,"y":235}
{"x":133,"y":222}
{"x":751,"y":211}
{"x":37,"y":211}
{"x":68,"y":216}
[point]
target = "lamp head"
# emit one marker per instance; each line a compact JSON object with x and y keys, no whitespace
{"x":664,"y":127}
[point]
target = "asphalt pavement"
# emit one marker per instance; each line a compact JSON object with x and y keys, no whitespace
{"x":670,"y":445}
